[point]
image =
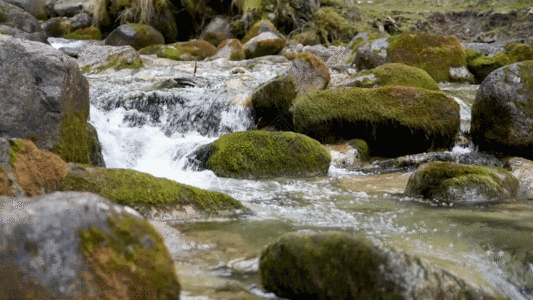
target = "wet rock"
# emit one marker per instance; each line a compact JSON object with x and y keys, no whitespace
{"x":308,"y":73}
{"x":421,"y":119}
{"x":75,"y":234}
{"x":136,"y":35}
{"x":522,"y":169}
{"x":103,"y":57}
{"x":217,"y":31}
{"x":18,"y":23}
{"x":349,"y":156}
{"x":230,"y":50}
{"x":263,"y":154}
{"x":450,"y":182}
{"x":266,"y":43}
{"x":502,"y":117}
{"x":46,"y":95}
{"x":192,"y":50}
{"x":95,"y":148}
{"x":335,"y":265}
{"x":258,"y":28}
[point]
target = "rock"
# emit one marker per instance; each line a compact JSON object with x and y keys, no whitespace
{"x":350,"y":155}
{"x":421,"y":119}
{"x":197,"y":50}
{"x":485,"y":48}
{"x":259,"y":28}
{"x":79,"y":245}
{"x":522,"y":169}
{"x":70,"y":9}
{"x":136,"y":35}
{"x":320,"y":51}
{"x":103,"y":57}
{"x":89,"y":33}
{"x":393,"y":74}
{"x":34,"y":7}
{"x":272,"y":101}
{"x":337,"y":265}
{"x":95,"y":148}
{"x":143,"y":191}
{"x":308,"y":73}
{"x":439,"y":56}
{"x":81,"y":20}
{"x":217,"y":31}
{"x":451,"y":182}
{"x":30,"y":171}
{"x":502,"y":115}
{"x":57,"y":27}
{"x":230,"y":50}
{"x":47,"y":98}
{"x":23,"y":24}
{"x":481,"y":65}
{"x":266,"y":43}
{"x":262,"y":154}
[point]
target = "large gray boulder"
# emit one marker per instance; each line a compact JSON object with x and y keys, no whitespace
{"x":34,"y":7}
{"x":45,"y":97}
{"x":17,"y":22}
{"x":337,"y":265}
{"x":71,"y":245}
{"x":502,"y":114}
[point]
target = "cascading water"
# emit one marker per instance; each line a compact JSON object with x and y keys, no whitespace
{"x":154,"y":131}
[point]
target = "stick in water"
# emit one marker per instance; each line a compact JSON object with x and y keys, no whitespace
{"x":195,"y":62}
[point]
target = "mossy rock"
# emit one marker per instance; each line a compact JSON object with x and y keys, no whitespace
{"x":481,"y":65}
{"x":89,"y":33}
{"x":263,"y":47}
{"x":135,"y":253}
{"x":331,"y":27}
{"x":395,"y":74}
{"x":339,"y":265}
{"x":272,"y":101}
{"x":167,"y":51}
{"x":35,"y":171}
{"x":135,"y":188}
{"x":95,"y":148}
{"x":432,"y":53}
{"x":262,"y":154}
{"x":235,"y":46}
{"x":152,"y":49}
{"x":393,"y":120}
{"x":518,"y":52}
{"x":3,"y":32}
{"x":449,"y":181}
{"x":260,"y":27}
{"x":362,"y":148}
{"x":136,"y":35}
{"x":192,"y":50}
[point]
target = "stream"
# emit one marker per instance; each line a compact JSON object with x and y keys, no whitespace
{"x":154,"y":131}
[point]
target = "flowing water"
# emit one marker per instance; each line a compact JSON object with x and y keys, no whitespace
{"x":154,"y":132}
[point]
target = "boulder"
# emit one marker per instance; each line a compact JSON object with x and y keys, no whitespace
{"x":338,"y":265}
{"x":522,"y":169}
{"x":70,"y":8}
{"x":266,"y":43}
{"x":191,"y":50}
{"x":81,"y":246}
{"x":350,"y":155}
{"x":502,"y":113}
{"x":393,"y":120}
{"x":45,"y":98}
{"x":308,"y":72}
{"x":136,"y":35}
{"x":259,"y":28}
{"x":30,"y":171}
{"x":81,"y":20}
{"x":141,"y":191}
{"x":89,"y":33}
{"x":263,"y":154}
{"x":481,"y":65}
{"x":217,"y":31}
{"x":18,"y":23}
{"x":452,"y":182}
{"x":34,"y":7}
{"x":393,"y":74}
{"x":103,"y":57}
{"x":95,"y":148}
{"x":442,"y":57}
{"x":57,"y":27}
{"x":230,"y":50}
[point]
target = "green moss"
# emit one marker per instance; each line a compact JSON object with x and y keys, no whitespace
{"x":266,"y":47}
{"x":332,"y":27}
{"x":432,"y":53}
{"x":3,"y":32}
{"x":130,"y":187}
{"x":237,"y":52}
{"x":526,"y":78}
{"x":86,"y":69}
{"x":169,"y":52}
{"x":481,"y":66}
{"x":152,"y":49}
{"x":261,"y":154}
{"x":254,"y":30}
{"x":17,"y":146}
{"x":89,"y":33}
{"x":131,"y":248}
{"x":398,"y":74}
{"x":362,"y":149}
{"x":198,"y":49}
{"x":518,"y":52}
{"x":73,"y":145}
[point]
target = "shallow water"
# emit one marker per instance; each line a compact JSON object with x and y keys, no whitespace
{"x":154,"y":132}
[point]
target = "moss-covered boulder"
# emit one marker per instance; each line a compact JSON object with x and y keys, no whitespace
{"x":192,"y":50}
{"x":99,"y":58}
{"x":272,"y":101}
{"x":57,"y":27}
{"x":217,"y":31}
{"x":266,"y":43}
{"x":136,"y":35}
{"x":258,"y":28}
{"x":393,"y":74}
{"x":338,"y":265}
{"x":89,"y":33}
{"x":97,"y":249}
{"x":141,"y":190}
{"x":231,"y":50}
{"x":442,"y":57}
{"x":263,"y":154}
{"x":449,"y":181}
{"x":502,"y":113}
{"x":308,"y":72}
{"x":95,"y":148}
{"x":351,"y":155}
{"x":393,"y":120}
{"x":28,"y":171}
{"x":522,"y":169}
{"x":518,"y":52}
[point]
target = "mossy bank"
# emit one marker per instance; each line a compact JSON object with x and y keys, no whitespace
{"x":395,"y":74}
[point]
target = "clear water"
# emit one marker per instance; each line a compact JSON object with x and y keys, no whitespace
{"x":154,"y":132}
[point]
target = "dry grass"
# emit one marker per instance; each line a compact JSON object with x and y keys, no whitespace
{"x":136,"y":11}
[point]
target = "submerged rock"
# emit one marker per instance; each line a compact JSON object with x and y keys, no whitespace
{"x":80,"y":246}
{"x":335,"y":265}
{"x":447,"y":181}
{"x":263,"y":154}
{"x":502,"y":114}
{"x":421,"y":120}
